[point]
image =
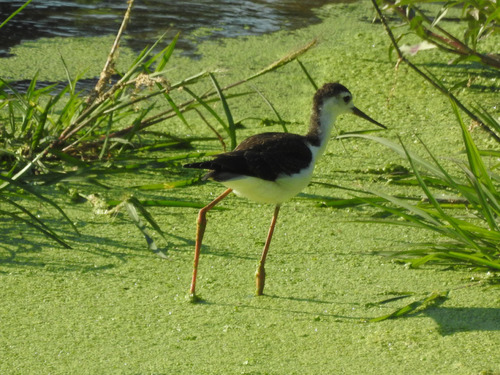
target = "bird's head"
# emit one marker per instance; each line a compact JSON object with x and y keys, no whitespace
{"x":336,"y":99}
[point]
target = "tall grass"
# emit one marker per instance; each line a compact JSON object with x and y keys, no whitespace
{"x":466,"y":223}
{"x":473,"y":234}
{"x":470,"y":237}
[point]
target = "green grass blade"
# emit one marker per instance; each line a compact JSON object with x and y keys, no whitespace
{"x":270,"y":105}
{"x":69,"y":159}
{"x":190,"y":80}
{"x":486,"y":205}
{"x":211,"y":111}
{"x":447,"y":180}
{"x":399,"y":150}
{"x":24,"y":170}
{"x":478,"y":195}
{"x":176,"y":110}
{"x":167,"y":53}
{"x":29,"y":102}
{"x":231,"y":126}
{"x":416,"y":263}
{"x":414,"y":307}
{"x":349,"y":202}
{"x":436,"y":204}
{"x":422,"y":214}
{"x":164,"y":55}
{"x":18,"y":10}
{"x":284,"y":60}
{"x":71,"y":84}
{"x":131,"y":209}
{"x":485,"y":116}
{"x":475,"y":161}
{"x":32,"y":191}
{"x":39,"y":228}
{"x":39,"y":131}
{"x":310,"y":79}
{"x":495,"y":264}
{"x":105,"y":144}
{"x":140,"y":62}
{"x":169,"y":185}
{"x":138,"y":205}
{"x":35,"y":222}
{"x":166,"y":203}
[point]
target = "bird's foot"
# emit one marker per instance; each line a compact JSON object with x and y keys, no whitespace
{"x":194,"y":298}
{"x":260,"y":280}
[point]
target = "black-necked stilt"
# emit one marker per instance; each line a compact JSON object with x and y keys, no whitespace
{"x":274,"y":167}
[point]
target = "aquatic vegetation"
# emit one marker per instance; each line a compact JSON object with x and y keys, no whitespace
{"x":112,"y":305}
{"x":473,"y":241}
{"x":467,"y":221}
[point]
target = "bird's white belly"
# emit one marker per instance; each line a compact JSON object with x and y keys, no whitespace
{"x":276,"y":192}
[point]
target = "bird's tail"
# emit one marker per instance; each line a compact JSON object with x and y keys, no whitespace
{"x":199,"y":165}
{"x":202,"y":165}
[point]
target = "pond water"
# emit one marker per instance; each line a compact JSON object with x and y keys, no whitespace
{"x":196,"y":20}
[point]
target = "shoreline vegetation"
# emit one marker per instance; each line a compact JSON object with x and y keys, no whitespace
{"x":86,"y":177}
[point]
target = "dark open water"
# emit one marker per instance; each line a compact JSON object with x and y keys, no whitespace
{"x":150,"y":19}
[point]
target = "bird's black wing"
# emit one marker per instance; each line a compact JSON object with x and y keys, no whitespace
{"x":265,"y":156}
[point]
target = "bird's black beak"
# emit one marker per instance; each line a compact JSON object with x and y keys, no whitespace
{"x":361,"y":114}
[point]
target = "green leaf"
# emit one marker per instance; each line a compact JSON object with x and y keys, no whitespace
{"x":231,"y":128}
{"x":167,"y":53}
{"x":32,"y":191}
{"x":34,"y":223}
{"x":414,"y":307}
{"x":282,"y":122}
{"x":309,"y":78}
{"x":18,"y":10}
{"x":214,"y":114}
{"x":131,"y":205}
{"x":475,"y":161}
{"x":146,"y":215}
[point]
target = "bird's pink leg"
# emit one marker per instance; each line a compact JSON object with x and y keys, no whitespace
{"x":200,"y":231}
{"x":260,"y":275}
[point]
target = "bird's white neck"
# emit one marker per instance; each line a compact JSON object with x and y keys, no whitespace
{"x":320,"y":129}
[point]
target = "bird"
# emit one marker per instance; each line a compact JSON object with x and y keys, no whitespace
{"x":273,"y":167}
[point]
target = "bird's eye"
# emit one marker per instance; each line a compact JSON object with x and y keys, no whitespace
{"x":347,"y":99}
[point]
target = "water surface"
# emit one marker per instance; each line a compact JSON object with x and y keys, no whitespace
{"x":150,"y":19}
